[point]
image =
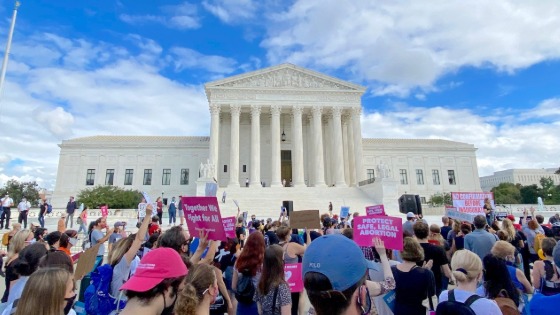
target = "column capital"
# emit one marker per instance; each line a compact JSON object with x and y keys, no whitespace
{"x":346,"y":118}
{"x":297,"y":109}
{"x":235,"y":109}
{"x":356,"y":111}
{"x":317,"y":110}
{"x":336,"y":111}
{"x":275,"y":110}
{"x":215,"y":109}
{"x":256,"y":110}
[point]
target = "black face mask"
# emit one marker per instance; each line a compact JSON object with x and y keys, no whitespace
{"x":69,"y":304}
{"x":169,"y":309}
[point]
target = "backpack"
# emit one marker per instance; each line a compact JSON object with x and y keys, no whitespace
{"x":245,"y":288}
{"x":86,"y":244}
{"x":454,"y":307}
{"x":49,"y":208}
{"x":537,"y":245}
{"x":97,"y":298}
{"x":507,"y":306}
{"x":6,"y":239}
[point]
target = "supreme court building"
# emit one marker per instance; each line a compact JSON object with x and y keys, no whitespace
{"x":286,"y":132}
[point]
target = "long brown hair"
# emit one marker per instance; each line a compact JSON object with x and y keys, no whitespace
{"x":199,"y":279}
{"x":273,"y":269}
{"x":252,"y":255}
{"x":44,"y":292}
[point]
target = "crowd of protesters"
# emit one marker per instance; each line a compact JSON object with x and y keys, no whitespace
{"x":487,"y":266}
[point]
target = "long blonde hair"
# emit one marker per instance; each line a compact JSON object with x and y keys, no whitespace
{"x":44,"y":292}
{"x":509,"y":230}
{"x":119,"y":249}
{"x":18,"y":243}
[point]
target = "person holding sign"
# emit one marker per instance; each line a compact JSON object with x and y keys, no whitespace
{"x":273,"y":293}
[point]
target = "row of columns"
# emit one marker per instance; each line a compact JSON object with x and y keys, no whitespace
{"x":350,"y":150}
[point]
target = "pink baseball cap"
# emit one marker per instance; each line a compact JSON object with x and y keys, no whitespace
{"x":157,"y":265}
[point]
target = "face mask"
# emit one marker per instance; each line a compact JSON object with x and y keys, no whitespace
{"x":31,"y":241}
{"x":73,"y":241}
{"x":168,"y":310}
{"x":69,"y":304}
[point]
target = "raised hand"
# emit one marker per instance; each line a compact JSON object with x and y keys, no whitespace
{"x":379,"y":245}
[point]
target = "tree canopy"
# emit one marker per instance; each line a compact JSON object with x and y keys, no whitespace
{"x":508,"y":193}
{"x":114,"y":197}
{"x":17,"y":191}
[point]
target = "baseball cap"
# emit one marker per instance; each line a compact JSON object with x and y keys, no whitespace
{"x":511,"y":217}
{"x":120,"y":223}
{"x":327,"y":254}
{"x":410,"y":215}
{"x":157,"y":265}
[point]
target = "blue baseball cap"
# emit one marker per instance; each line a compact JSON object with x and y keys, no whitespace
{"x":336,"y":257}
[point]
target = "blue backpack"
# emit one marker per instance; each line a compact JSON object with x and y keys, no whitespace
{"x":97,"y":297}
{"x":49,"y":208}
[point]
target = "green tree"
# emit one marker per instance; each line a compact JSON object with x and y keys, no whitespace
{"x":440,"y":200}
{"x":114,"y":197}
{"x":17,"y":190}
{"x":529,"y":194}
{"x":507,"y":193}
{"x":557,"y":171}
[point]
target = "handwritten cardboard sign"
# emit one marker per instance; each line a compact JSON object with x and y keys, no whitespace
{"x":389,"y":229}
{"x":293,"y":276}
{"x":344,"y":211}
{"x":86,"y":262}
{"x":453,"y":213}
{"x":305,"y":219}
{"x":204,"y":213}
{"x":229,"y":226}
{"x":375,"y":210}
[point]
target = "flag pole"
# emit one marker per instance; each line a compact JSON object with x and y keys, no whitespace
{"x":8,"y":46}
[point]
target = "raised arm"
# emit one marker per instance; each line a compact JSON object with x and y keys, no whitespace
{"x":378,"y":288}
{"x":140,"y":236}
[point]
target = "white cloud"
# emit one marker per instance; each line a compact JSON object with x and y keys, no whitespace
{"x":182,"y":16}
{"x":232,"y":11}
{"x":409,"y":44}
{"x":58,"y":121}
{"x":186,"y":58}
{"x":510,"y":145}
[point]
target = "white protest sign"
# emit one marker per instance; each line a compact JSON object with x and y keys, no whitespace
{"x":471,"y":202}
{"x":453,"y":213}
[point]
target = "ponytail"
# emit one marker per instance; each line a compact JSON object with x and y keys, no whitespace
{"x":187,"y":300}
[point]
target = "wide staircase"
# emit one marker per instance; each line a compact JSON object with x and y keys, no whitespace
{"x":266,"y":202}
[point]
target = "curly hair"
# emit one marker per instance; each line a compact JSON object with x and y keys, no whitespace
{"x":199,"y":279}
{"x":252,"y":255}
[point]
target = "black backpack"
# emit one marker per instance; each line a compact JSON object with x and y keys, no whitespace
{"x":245,"y":288}
{"x":454,"y":307}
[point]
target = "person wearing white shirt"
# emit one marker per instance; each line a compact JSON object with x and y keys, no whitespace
{"x":23,"y":209}
{"x":7,"y":204}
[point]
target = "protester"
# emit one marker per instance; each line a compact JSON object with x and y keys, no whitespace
{"x":447,"y":226}
{"x":96,"y":235}
{"x":53,"y":240}
{"x":225,"y":260}
{"x":7,"y":204}
{"x":555,"y":218}
{"x":177,"y":239}
{"x":498,"y":285}
{"x":43,"y":207}
{"x":248,"y":265}
{"x":531,"y":229}
{"x":270,"y":237}
{"x":154,"y":288}
{"x":7,"y":238}
{"x":480,"y":241}
{"x":83,"y":220}
{"x":547,"y":304}
{"x":67,"y":240}
{"x":116,"y":235}
{"x":407,"y":226}
{"x":172,"y":211}
{"x":40,"y":234}
{"x":70,"y":209}
{"x":240,"y":230}
{"x":459,"y":239}
{"x":433,"y":253}
{"x":546,"y":229}
{"x":488,"y":211}
{"x":506,"y":251}
{"x":467,"y":270}
{"x":436,"y":238}
{"x":200,"y":291}
{"x":181,"y":212}
{"x":273,"y":293}
{"x":335,"y":291}
{"x":545,"y":272}
{"x":23,"y":209}
{"x":45,"y":292}
{"x":61,"y":225}
{"x":57,"y":259}
{"x":20,"y":240}
{"x":154,"y":226}
{"x":159,"y":209}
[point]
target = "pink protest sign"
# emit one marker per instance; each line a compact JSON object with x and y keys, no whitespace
{"x":204,"y":213}
{"x":229,"y":226}
{"x":375,"y":210}
{"x":471,"y":202}
{"x":389,"y":229}
{"x":104,"y":211}
{"x":292,"y":275}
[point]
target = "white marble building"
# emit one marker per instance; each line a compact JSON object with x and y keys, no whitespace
{"x":524,"y":177}
{"x":274,"y":126}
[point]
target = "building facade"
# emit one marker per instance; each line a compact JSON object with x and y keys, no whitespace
{"x":282,"y":126}
{"x":524,"y":177}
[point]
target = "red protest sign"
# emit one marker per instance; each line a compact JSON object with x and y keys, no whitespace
{"x":204,"y":213}
{"x":388,"y":229}
{"x":229,"y":226}
{"x":375,"y":210}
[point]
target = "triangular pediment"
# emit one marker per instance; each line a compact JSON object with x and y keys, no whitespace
{"x":285,"y":76}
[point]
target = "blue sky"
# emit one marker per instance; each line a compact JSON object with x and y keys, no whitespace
{"x":481,"y":72}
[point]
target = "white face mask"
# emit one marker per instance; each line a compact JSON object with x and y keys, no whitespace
{"x":73,"y":241}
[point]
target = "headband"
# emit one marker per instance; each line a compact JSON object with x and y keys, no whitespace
{"x":463,"y":271}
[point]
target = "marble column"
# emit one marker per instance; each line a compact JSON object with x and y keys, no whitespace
{"x":345,"y":149}
{"x":351,"y":160}
{"x":214,"y":137}
{"x":235,"y":111}
{"x":275,"y":145}
{"x":358,"y":153}
{"x":297,"y":131}
{"x":310,"y":156}
{"x":318,"y":146}
{"x":255,"y":147}
{"x":338,"y":155}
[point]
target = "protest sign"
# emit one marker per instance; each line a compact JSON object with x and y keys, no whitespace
{"x":104,"y":210}
{"x":388,"y":229}
{"x":344,"y":211}
{"x":453,"y":213}
{"x":375,"y":210}
{"x":305,"y":219}
{"x":204,"y":213}
{"x":245,"y":216}
{"x":229,"y":226}
{"x":211,"y":189}
{"x":86,"y":262}
{"x":292,"y":275}
{"x":236,"y":204}
{"x":389,"y":299}
{"x":147,"y":197}
{"x":471,"y":202}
